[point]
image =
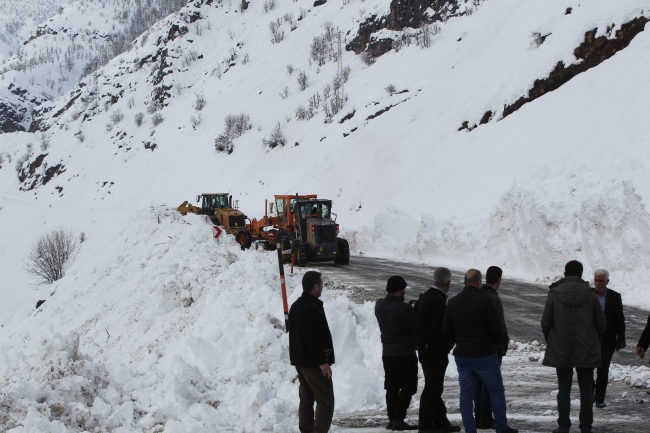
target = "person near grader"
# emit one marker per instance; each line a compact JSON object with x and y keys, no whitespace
{"x":311,"y":351}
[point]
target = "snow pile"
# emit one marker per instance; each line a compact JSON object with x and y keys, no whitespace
{"x":171,"y":329}
{"x":638,"y":376}
{"x":560,"y":211}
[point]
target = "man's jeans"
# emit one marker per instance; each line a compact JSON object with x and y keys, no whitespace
{"x":482,"y":406}
{"x":487,"y":370}
{"x":586,"y":383}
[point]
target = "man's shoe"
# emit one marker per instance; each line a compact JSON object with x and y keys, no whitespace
{"x":449,"y":429}
{"x":511,"y":430}
{"x":585,"y":430}
{"x":390,"y":425}
{"x":557,"y":430}
{"x":401,"y":425}
{"x":427,"y":430}
{"x":600,"y":404}
{"x":485,"y":424}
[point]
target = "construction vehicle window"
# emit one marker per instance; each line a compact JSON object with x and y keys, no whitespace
{"x":279,"y":204}
{"x":205,"y":202}
{"x":325,"y":210}
{"x":219,"y":201}
{"x":292,"y":205}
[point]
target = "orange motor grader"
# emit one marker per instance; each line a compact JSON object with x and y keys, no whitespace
{"x":303,"y":225}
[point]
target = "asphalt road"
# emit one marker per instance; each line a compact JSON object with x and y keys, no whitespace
{"x":523,"y":303}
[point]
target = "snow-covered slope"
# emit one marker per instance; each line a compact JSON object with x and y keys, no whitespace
{"x":172,"y":330}
{"x":18,"y":18}
{"x":563,"y":177}
{"x":54,"y":54}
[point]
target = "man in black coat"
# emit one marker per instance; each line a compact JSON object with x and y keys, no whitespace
{"x":614,"y":338}
{"x":471,"y":323}
{"x":397,"y":324}
{"x":433,"y":350}
{"x":312,"y":353}
{"x":482,"y":407}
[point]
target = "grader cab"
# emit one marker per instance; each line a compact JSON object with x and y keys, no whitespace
{"x":304,"y":225}
{"x":221,"y":210}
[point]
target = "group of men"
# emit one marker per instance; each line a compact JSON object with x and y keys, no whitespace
{"x":582,"y":326}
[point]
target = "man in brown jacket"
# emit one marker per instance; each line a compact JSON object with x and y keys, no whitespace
{"x":573,"y":324}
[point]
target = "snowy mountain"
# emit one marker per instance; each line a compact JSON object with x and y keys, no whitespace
{"x":18,"y":18}
{"x":53,"y":55}
{"x":499,"y":104}
{"x":452,"y":132}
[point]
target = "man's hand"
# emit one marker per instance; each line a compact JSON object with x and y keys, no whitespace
{"x":412,"y":301}
{"x":326,"y":370}
{"x":640,"y":351}
{"x":620,"y":345}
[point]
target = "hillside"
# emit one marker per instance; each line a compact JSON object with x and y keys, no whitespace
{"x":51,"y":45}
{"x":455,"y":133}
{"x":561,"y":177}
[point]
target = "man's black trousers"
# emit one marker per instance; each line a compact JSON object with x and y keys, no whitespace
{"x":602,"y":373}
{"x":432,"y":409}
{"x":400,"y":383}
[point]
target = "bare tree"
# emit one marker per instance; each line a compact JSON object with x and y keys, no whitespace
{"x":139,"y":118}
{"x":390,"y":89}
{"x":367,"y":58}
{"x":277,"y":36}
{"x":117,"y":116}
{"x":199,"y":103}
{"x":302,"y":80}
{"x":48,"y":255}
{"x":276,"y":139}
{"x":157,"y":119}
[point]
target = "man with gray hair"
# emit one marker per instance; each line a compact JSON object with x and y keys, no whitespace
{"x":433,"y":350}
{"x":614,"y":338}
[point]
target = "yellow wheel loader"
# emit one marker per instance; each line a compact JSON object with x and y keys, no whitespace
{"x":221,"y":210}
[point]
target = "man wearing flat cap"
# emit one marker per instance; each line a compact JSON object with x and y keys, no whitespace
{"x":397,"y":323}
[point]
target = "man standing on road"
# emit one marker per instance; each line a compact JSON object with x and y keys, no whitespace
{"x":472,"y":323}
{"x":573,"y":324}
{"x":482,"y":406}
{"x":312,"y":353}
{"x":614,"y":339}
{"x":644,"y":341}
{"x":397,"y":324}
{"x":433,"y":350}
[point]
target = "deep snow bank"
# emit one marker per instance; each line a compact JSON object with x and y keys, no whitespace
{"x":558,"y":212}
{"x":170,"y":330}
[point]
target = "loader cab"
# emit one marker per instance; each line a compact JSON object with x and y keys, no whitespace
{"x":210,"y":202}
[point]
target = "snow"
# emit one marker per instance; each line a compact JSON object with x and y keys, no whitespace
{"x":173,"y":328}
{"x":155,"y":324}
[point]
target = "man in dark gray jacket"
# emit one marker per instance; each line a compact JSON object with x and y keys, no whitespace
{"x":398,"y":324}
{"x":482,"y":406}
{"x":573,"y":324}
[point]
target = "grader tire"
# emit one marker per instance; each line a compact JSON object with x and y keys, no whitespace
{"x":343,"y":250}
{"x":243,"y":238}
